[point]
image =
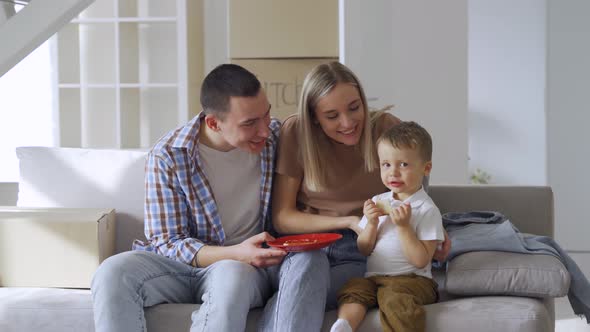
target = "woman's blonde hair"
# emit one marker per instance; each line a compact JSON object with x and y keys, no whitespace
{"x":317,"y":84}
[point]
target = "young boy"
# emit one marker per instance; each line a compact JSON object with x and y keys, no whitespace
{"x":400,"y":232}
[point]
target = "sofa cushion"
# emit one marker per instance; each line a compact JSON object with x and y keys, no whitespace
{"x":86,"y":178}
{"x":482,"y":314}
{"x":506,"y":273}
{"x":45,"y":309}
{"x":63,"y":310}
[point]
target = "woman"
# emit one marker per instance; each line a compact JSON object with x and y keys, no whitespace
{"x":327,"y":166}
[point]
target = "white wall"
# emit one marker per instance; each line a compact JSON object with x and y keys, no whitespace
{"x":215,"y":33}
{"x":26,"y":109}
{"x":507,"y":90}
{"x":414,"y":54}
{"x":568,"y":118}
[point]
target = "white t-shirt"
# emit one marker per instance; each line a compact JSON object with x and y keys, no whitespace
{"x":388,"y":257}
{"x":234,"y":177}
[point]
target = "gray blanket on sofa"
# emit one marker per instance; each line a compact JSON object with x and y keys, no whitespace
{"x":492,"y":231}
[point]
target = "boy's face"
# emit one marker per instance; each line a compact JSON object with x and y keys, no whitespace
{"x":402,"y":169}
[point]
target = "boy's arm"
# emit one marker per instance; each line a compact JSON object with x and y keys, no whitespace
{"x":418,"y":252}
{"x":368,"y":235}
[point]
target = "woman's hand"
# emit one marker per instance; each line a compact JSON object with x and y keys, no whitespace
{"x":442,"y":252}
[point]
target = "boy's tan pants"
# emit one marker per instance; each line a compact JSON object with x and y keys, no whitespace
{"x":400,"y":299}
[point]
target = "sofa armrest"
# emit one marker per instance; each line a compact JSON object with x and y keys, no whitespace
{"x":529,"y":208}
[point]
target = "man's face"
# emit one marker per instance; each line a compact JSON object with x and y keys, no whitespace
{"x":245,"y":126}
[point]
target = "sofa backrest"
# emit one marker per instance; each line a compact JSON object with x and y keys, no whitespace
{"x":529,"y":208}
{"x":86,"y":178}
{"x":96,"y":178}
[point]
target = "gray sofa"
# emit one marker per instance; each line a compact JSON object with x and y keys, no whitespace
{"x":529,"y":208}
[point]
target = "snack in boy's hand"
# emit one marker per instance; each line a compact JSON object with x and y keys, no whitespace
{"x":384,"y":205}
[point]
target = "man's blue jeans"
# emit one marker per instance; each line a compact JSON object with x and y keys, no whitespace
{"x":126,"y":283}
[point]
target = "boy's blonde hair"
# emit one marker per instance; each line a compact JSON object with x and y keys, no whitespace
{"x":317,"y":84}
{"x":409,"y":135}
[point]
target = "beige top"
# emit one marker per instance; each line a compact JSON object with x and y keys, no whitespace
{"x":239,"y":221}
{"x":348,"y":184}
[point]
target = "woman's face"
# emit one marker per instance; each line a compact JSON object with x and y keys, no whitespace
{"x":341,"y":114}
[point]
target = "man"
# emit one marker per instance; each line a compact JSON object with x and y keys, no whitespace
{"x":208,"y":187}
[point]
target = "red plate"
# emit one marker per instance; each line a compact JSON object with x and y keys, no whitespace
{"x":304,"y":242}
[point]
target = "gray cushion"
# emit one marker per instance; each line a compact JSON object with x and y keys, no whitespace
{"x":51,"y":309}
{"x":482,"y":314}
{"x":45,"y":309}
{"x":505,"y":273}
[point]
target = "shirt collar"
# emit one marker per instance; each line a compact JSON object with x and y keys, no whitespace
{"x":416,"y":200}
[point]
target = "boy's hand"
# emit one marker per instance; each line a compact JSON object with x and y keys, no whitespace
{"x":401,"y":215}
{"x":371,"y":211}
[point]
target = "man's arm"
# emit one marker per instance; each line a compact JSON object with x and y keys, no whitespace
{"x":166,"y":219}
{"x":167,"y":225}
{"x":250,"y":251}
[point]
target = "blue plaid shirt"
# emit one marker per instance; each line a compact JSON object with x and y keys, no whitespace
{"x":181,"y":215}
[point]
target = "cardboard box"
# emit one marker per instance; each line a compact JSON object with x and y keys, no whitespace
{"x":53,"y":247}
{"x":282,"y":80}
{"x":283,"y":29}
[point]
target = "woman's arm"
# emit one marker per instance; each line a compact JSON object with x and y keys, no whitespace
{"x":288,"y":220}
{"x":441,"y":253}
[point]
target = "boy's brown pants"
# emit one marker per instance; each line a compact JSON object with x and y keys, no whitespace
{"x":400,"y":299}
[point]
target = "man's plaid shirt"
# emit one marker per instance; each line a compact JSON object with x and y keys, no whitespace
{"x":180,"y":212}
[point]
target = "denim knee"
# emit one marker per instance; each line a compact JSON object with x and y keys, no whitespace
{"x":115,"y":275}
{"x":308,"y":266}
{"x":314,"y":261}
{"x":236,"y":287}
{"x":233,"y":279}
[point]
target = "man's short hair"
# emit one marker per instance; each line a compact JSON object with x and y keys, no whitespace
{"x":223,"y":82}
{"x":409,"y":135}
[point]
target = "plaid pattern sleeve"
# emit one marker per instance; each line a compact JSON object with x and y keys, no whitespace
{"x":168,"y":221}
{"x":181,"y":214}
{"x":268,"y":167}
